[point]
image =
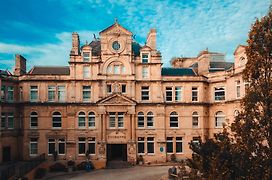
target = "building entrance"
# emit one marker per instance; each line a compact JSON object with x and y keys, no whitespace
{"x":6,"y":154}
{"x":117,"y":152}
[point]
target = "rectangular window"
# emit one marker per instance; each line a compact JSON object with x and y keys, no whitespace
{"x":33,"y":120}
{"x":145,"y":93}
{"x":33,"y":93}
{"x":124,"y":88}
{"x":3,"y":120}
{"x":150,"y":145}
{"x":81,"y":145}
{"x":91,"y":121}
{"x":86,"y":72}
{"x":195,"y":121}
{"x":178,"y":144}
{"x":145,"y":72}
{"x":3,"y":93}
{"x":169,"y":94}
{"x":144,"y":58}
{"x":10,"y":93}
{"x":33,"y":147}
{"x":86,"y":56}
{"x":10,"y":121}
{"x":141,"y":147}
{"x":120,"y":120}
{"x":86,"y":93}
{"x":112,"y":120}
{"x":51,"y":146}
{"x":61,"y":93}
{"x":109,"y":88}
{"x":169,"y":145}
{"x":51,"y":93}
{"x":140,"y":120}
{"x":178,"y":92}
{"x":150,"y":119}
{"x":219,"y":94}
{"x":196,"y":140}
{"x":238,"y":89}
{"x":194,"y":94}
{"x":61,"y":143}
{"x":91,"y":145}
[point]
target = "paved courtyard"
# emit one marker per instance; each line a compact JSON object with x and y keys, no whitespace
{"x":135,"y":173}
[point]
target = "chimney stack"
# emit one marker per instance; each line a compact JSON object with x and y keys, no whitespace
{"x":20,"y":65}
{"x":75,"y":44}
{"x":151,"y":39}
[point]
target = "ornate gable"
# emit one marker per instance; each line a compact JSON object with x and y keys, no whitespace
{"x":116,"y":28}
{"x":116,"y":99}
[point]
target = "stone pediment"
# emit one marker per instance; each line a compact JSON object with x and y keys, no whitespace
{"x":116,"y":99}
{"x":116,"y":28}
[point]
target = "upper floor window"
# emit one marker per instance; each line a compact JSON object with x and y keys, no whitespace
{"x":10,"y":118}
{"x":140,"y":120}
{"x":33,"y":147}
{"x":145,"y":72}
{"x":109,"y":90}
{"x":178,"y":91}
{"x":112,"y":120}
{"x":91,"y":120}
{"x":219,"y":94}
{"x":56,"y":145}
{"x":61,"y":93}
{"x":56,"y":120}
{"x":174,"y":119}
{"x":144,"y":58}
{"x":3,"y":93}
{"x":238,"y":89}
{"x":169,"y":94}
{"x":120,"y":119}
{"x":81,"y":119}
{"x":3,"y":120}
{"x":10,"y":93}
{"x":219,"y":119}
{"x":33,"y":93}
{"x":86,"y":56}
{"x":124,"y":87}
{"x":150,"y":120}
{"x":86,"y":72}
{"x":51,"y":93}
{"x":195,"y":119}
{"x":145,"y":93}
{"x":33,"y":120}
{"x":86,"y":93}
{"x":194,"y":94}
{"x":116,"y":69}
{"x":7,"y":120}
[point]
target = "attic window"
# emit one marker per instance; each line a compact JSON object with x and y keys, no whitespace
{"x":144,"y":58}
{"x":86,"y":56}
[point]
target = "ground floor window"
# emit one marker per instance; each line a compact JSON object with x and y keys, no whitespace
{"x":86,"y":145}
{"x":146,"y":145}
{"x":141,"y":145}
{"x":56,"y":146}
{"x":171,"y":141}
{"x":33,"y":147}
{"x":150,"y":145}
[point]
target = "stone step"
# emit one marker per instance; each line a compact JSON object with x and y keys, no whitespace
{"x":118,"y":164}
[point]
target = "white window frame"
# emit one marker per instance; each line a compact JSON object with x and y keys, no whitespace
{"x":179,"y":141}
{"x":34,"y":90}
{"x":194,"y":91}
{"x":91,"y":119}
{"x":3,"y":120}
{"x":218,"y":90}
{"x":56,"y":116}
{"x":219,"y":119}
{"x":112,"y":116}
{"x":168,"y":94}
{"x":168,"y":140}
{"x":86,"y":56}
{"x":145,"y":73}
{"x":120,"y":119}
{"x":33,"y":114}
{"x":195,"y":118}
{"x":61,"y":93}
{"x":178,"y":93}
{"x":145,"y":60}
{"x":148,"y":120}
{"x":86,"y":90}
{"x":86,"y":72}
{"x":10,"y":93}
{"x":51,"y":89}
{"x":81,"y":120}
{"x":51,"y":141}
{"x":238,"y":89}
{"x":141,"y":115}
{"x":174,"y":114}
{"x":92,"y":141}
{"x":142,"y":142}
{"x":144,"y":90}
{"x":150,"y":142}
{"x":81,"y":142}
{"x":10,"y":120}
{"x":59,"y":141}
{"x":33,"y":142}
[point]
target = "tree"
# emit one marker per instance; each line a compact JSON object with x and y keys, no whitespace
{"x":253,"y":127}
{"x":246,"y":151}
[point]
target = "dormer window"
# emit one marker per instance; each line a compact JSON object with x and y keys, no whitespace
{"x":144,"y":58}
{"x":86,"y":56}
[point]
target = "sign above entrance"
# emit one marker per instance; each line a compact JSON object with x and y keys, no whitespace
{"x":116,"y":137}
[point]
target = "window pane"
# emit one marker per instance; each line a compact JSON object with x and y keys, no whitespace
{"x":112,"y":119}
{"x":33,"y":93}
{"x":34,"y":120}
{"x":194,"y":94}
{"x":169,"y":94}
{"x":61,"y":93}
{"x":91,"y":120}
{"x":10,"y":93}
{"x":120,"y":119}
{"x":61,"y":146}
{"x":140,"y":119}
{"x":178,"y":93}
{"x":144,"y":58}
{"x":169,"y":145}
{"x":86,"y":93}
{"x":145,"y":93}
{"x":10,"y":120}
{"x":86,"y":72}
{"x":86,"y":56}
{"x":51,"y":93}
{"x":3,"y":120}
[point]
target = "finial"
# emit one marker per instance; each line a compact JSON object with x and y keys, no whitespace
{"x":115,"y":20}
{"x":94,"y":36}
{"x":207,"y":49}
{"x":86,"y":42}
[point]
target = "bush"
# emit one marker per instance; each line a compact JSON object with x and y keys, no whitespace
{"x":57,"y":167}
{"x":40,"y":173}
{"x":82,"y":165}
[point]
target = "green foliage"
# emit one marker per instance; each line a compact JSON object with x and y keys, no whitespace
{"x":246,"y":152}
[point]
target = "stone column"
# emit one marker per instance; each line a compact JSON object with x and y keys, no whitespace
{"x":104,"y":126}
{"x":133,"y":127}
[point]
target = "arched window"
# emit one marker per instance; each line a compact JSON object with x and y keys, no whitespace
{"x":140,"y":120}
{"x":195,"y":119}
{"x":33,"y":120}
{"x":56,"y":120}
{"x":81,"y":119}
{"x":150,"y":119}
{"x":219,"y":119}
{"x":174,"y":119}
{"x":91,"y":120}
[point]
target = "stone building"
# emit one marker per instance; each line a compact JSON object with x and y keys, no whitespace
{"x":116,"y":101}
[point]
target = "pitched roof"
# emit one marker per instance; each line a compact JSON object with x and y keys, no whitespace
{"x":53,"y":70}
{"x":117,"y":25}
{"x":177,"y":72}
{"x":5,"y":73}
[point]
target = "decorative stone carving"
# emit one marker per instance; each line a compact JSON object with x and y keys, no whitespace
{"x":102,"y":149}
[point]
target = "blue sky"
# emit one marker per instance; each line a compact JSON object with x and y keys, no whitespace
{"x":41,"y":30}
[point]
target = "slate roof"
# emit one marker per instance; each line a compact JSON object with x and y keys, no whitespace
{"x":53,"y":70}
{"x":177,"y":72}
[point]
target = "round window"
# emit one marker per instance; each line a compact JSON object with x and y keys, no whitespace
{"x":116,"y":45}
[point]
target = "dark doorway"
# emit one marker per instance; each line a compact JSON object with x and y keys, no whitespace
{"x":117,"y":152}
{"x":6,"y":154}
